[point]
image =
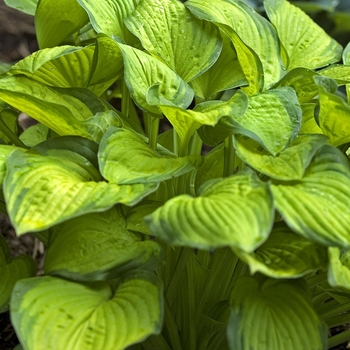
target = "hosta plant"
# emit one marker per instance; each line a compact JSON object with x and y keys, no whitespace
{"x":188,"y":176}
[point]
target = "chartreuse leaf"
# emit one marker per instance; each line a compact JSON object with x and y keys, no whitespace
{"x":339,"y":267}
{"x":234,"y":18}
{"x":226,"y":73}
{"x":12,"y":270}
{"x":168,"y":30}
{"x":27,"y":6}
{"x":186,"y":122}
{"x":235,"y":211}
{"x":304,"y":42}
{"x":318,"y":206}
{"x":334,"y":113}
{"x":302,"y":81}
{"x":42,"y":191}
{"x":95,"y":67}
{"x":289,"y":165}
{"x":53,"y":23}
{"x":75,"y":246}
{"x":5,"y":151}
{"x":142,"y":72}
{"x":34,"y":135}
{"x":126,"y":158}
{"x":47,"y":311}
{"x":44,"y":104}
{"x":309,"y":124}
{"x":108,"y":17}
{"x":285,"y":255}
{"x":273,"y":119}
{"x":281,"y":312}
{"x":339,"y":72}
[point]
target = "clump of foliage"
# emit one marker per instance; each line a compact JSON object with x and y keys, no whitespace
{"x":150,"y":243}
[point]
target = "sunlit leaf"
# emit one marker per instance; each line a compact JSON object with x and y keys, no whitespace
{"x":5,"y":151}
{"x":126,"y":158}
{"x":285,"y":255}
{"x":47,"y":311}
{"x":75,"y":246}
{"x":318,"y":206}
{"x":53,"y":23}
{"x":281,"y":312}
{"x":235,"y":211}
{"x":168,"y":30}
{"x":42,"y":191}
{"x":339,"y":267}
{"x":289,"y":165}
{"x":248,"y":31}
{"x":306,"y":44}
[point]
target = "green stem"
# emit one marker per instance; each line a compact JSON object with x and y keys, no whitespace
{"x":338,"y":320}
{"x":191,"y":305}
{"x":333,"y":311}
{"x":322,"y":308}
{"x":320,"y":299}
{"x":171,"y":326}
{"x":125,"y":100}
{"x":9,"y":133}
{"x":152,"y":130}
{"x":196,"y":144}
{"x":229,"y":152}
{"x":338,"y":339}
{"x":180,"y":266}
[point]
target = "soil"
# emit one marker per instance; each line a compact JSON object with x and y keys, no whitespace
{"x":17,"y":40}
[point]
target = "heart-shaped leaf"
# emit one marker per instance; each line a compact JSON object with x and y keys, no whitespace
{"x":285,"y":255}
{"x":234,"y":18}
{"x":143,"y":72}
{"x":318,"y":206}
{"x":75,"y":246}
{"x":11,"y":271}
{"x":235,"y":211}
{"x":47,"y":311}
{"x":225,"y":74}
{"x":273,"y":119}
{"x":305,"y":43}
{"x":107,"y":17}
{"x":334,"y":114}
{"x":126,"y":158}
{"x":282,"y":315}
{"x":53,"y":23}
{"x":168,"y":30}
{"x":42,"y":191}
{"x":289,"y":165}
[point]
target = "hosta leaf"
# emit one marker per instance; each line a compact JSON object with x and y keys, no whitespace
{"x":309,"y":124}
{"x":26,"y":6}
{"x":339,"y":72}
{"x":305,"y":43}
{"x":135,"y":215}
{"x":282,"y":315}
{"x":273,"y":119}
{"x":285,"y":255}
{"x":5,"y":151}
{"x":302,"y":81}
{"x":107,"y":17}
{"x":142,"y":72}
{"x":235,"y":211}
{"x":48,"y":311}
{"x":75,"y":246}
{"x":42,"y":191}
{"x":234,"y":18}
{"x":318,"y":206}
{"x":53,"y":23}
{"x":95,"y":67}
{"x":226,"y":73}
{"x":125,"y":157}
{"x":168,"y":30}
{"x":186,"y":122}
{"x":12,"y":270}
{"x":334,"y":114}
{"x":339,"y":268}
{"x":44,"y":104}
{"x":34,"y":134}
{"x":289,"y":165}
